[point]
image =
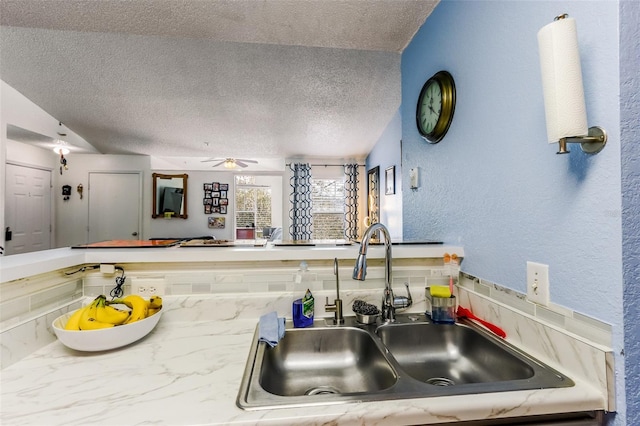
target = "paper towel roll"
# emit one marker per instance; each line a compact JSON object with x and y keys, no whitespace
{"x":564,"y":106}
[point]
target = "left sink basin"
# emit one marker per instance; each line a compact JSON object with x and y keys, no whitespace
{"x":325,"y":361}
{"x":318,"y":365}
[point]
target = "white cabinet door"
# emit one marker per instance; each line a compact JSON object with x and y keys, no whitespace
{"x":28,"y":209}
{"x":115,"y":206}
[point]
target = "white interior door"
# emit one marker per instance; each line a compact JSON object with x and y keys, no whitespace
{"x":115,"y":206}
{"x":28,"y":209}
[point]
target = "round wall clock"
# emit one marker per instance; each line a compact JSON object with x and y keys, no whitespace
{"x":436,"y":104}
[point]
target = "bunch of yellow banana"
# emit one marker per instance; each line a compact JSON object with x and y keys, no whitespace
{"x":96,"y":315}
{"x":99,"y":314}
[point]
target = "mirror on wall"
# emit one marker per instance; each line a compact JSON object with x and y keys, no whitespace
{"x":169,"y":196}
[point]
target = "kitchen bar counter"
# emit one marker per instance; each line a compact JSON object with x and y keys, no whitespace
{"x":29,"y":264}
{"x":188,"y":372}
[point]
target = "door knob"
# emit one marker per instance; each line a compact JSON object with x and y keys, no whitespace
{"x":135,"y":234}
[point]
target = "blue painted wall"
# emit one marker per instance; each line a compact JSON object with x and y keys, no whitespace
{"x":386,"y":153}
{"x":630,"y":135}
{"x":494,"y":184}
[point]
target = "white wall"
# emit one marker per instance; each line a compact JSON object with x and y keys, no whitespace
{"x":19,"y":111}
{"x":196,"y":224}
{"x":72,"y":218}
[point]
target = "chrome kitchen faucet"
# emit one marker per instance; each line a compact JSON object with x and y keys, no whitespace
{"x":389,"y":302}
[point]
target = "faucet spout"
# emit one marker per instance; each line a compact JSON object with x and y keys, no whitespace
{"x":337,"y":304}
{"x":360,"y":269}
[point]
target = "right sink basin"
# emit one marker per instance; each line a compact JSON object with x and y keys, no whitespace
{"x":448,"y":355}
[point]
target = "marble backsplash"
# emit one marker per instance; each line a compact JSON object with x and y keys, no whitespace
{"x":571,"y":342}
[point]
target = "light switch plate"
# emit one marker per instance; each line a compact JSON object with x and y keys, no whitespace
{"x":538,"y":283}
{"x":413,"y":178}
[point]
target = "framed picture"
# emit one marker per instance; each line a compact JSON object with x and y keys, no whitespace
{"x":216,"y":222}
{"x":390,"y":180}
{"x":223,"y":209}
{"x":215,"y":196}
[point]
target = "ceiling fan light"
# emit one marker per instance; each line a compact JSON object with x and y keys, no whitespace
{"x":60,"y":150}
{"x":229,"y":164}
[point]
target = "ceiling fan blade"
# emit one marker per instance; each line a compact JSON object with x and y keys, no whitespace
{"x":213,"y":159}
{"x":241,"y":164}
{"x":246,"y":161}
{"x":217,"y":164}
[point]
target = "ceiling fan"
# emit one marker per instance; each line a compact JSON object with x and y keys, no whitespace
{"x":231,"y":163}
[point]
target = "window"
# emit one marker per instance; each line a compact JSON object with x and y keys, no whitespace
{"x":328,"y":208}
{"x":253,"y":207}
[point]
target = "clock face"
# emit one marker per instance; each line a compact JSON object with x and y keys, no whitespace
{"x":436,"y":105}
{"x":431,"y":107}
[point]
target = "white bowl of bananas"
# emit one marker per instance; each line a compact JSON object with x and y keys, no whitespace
{"x":104,"y":325}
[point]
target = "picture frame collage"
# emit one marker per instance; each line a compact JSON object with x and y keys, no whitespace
{"x":215,"y":198}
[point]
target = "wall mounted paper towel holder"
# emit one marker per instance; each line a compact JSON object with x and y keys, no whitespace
{"x":591,"y":144}
{"x":561,"y":70}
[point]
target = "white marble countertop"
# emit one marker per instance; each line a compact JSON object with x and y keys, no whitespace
{"x":188,"y":372}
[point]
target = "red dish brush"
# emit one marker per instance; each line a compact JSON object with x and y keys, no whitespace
{"x":465,"y":313}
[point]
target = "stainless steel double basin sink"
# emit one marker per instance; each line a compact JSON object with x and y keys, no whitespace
{"x":412,"y":358}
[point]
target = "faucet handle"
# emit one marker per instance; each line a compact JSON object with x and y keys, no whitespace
{"x":336,"y":308}
{"x":402,"y":302}
{"x":327,"y":306}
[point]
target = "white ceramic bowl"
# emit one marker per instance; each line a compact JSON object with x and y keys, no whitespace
{"x":106,"y":338}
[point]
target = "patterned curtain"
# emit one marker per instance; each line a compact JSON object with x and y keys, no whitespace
{"x":301,"y":216}
{"x":351,"y":201}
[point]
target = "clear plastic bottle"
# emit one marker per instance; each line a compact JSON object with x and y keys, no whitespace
{"x":302,"y":309}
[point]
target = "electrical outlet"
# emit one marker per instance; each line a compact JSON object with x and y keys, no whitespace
{"x":106,"y":268}
{"x":147,"y":287}
{"x":538,"y":283}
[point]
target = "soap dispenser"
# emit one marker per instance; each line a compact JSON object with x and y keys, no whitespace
{"x":302,"y":309}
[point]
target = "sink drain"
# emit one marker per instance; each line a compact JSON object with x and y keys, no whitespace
{"x":323,"y":390}
{"x":440,"y":381}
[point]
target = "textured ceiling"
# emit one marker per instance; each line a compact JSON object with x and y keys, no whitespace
{"x":242,"y":78}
